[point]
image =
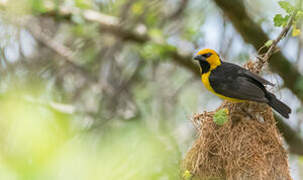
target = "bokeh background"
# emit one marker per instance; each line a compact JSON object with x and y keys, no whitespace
{"x":106,"y":89}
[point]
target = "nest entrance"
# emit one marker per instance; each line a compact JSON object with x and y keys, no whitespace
{"x":247,"y":146}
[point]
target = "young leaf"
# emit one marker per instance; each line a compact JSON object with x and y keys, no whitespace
{"x":221,"y":117}
{"x":286,"y":6}
{"x":279,"y":20}
{"x":268,"y":43}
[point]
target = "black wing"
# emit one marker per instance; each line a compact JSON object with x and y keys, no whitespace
{"x":236,"y":82}
{"x":249,"y":74}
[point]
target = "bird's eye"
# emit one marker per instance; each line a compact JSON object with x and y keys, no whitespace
{"x":207,"y":55}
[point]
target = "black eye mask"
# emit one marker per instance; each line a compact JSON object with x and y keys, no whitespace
{"x":207,"y":55}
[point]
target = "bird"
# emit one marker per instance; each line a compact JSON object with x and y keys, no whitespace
{"x":234,"y":83}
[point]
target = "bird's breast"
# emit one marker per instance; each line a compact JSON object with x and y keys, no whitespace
{"x":205,"y":81}
{"x":207,"y":84}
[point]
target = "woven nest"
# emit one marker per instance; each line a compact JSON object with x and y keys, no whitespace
{"x":248,"y":146}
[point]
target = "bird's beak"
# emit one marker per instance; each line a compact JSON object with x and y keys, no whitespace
{"x":199,"y":57}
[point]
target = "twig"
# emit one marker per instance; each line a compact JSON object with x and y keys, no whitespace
{"x":264,"y":58}
{"x":63,"y":108}
{"x":63,"y":51}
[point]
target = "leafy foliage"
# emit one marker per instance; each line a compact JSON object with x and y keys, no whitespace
{"x":279,"y":20}
{"x":287,"y":6}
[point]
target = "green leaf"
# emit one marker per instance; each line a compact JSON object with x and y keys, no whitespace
{"x":221,"y":117}
{"x":279,"y":20}
{"x":268,"y":43}
{"x":187,"y":175}
{"x":287,"y":6}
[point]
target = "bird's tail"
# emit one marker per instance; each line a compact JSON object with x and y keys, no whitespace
{"x":277,"y":105}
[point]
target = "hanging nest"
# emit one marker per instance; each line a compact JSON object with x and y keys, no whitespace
{"x":248,"y":145}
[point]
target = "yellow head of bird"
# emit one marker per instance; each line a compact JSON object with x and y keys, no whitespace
{"x":210,"y":56}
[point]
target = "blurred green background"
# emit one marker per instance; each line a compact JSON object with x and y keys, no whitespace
{"x":106,"y":89}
